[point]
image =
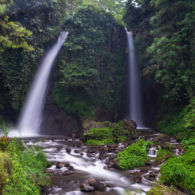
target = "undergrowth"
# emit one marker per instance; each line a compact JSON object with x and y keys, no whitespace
{"x":26,"y":170}
{"x":134,"y":155}
{"x":180,"y":171}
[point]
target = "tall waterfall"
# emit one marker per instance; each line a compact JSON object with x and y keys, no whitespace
{"x":31,"y":115}
{"x":135,"y":106}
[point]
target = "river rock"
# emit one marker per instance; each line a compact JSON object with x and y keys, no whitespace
{"x":92,"y":181}
{"x":69,"y":172}
{"x":114,"y":164}
{"x":77,"y":151}
{"x":66,"y":164}
{"x":68,"y":150}
{"x":86,"y":188}
{"x":152,"y":175}
{"x":59,"y":165}
{"x":137,"y":179}
{"x":129,"y":124}
{"x":96,"y":184}
{"x":99,"y":186}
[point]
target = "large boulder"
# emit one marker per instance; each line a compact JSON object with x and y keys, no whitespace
{"x":89,"y":124}
{"x":86,"y":188}
{"x":163,"y":190}
{"x":129,"y":124}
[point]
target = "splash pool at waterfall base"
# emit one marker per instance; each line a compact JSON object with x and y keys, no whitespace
{"x":74,"y":166}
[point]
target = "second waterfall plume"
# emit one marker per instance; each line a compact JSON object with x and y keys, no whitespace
{"x":31,"y":116}
{"x":135,"y":106}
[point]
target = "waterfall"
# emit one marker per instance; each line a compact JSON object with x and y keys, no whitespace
{"x":31,"y":115}
{"x":135,"y":106}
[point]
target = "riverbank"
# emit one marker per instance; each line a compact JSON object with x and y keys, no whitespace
{"x":76,"y":168}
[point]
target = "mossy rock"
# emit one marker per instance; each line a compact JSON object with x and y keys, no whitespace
{"x":89,"y":124}
{"x":124,"y":128}
{"x":98,"y":134}
{"x":163,"y":190}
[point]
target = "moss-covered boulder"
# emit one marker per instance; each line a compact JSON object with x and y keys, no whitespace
{"x":134,"y":155}
{"x":125,"y":128}
{"x":89,"y":124}
{"x":163,"y":190}
{"x":105,"y":132}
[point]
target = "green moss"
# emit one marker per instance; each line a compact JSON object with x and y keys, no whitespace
{"x":180,"y":171}
{"x":160,"y":189}
{"x":119,"y":131}
{"x":99,"y":134}
{"x":134,"y":155}
{"x":109,"y":134}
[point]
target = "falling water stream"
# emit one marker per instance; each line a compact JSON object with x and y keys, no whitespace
{"x":31,"y":116}
{"x":135,"y":106}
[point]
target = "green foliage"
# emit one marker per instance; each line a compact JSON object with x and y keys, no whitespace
{"x":99,"y":134}
{"x":172,"y":48}
{"x":119,"y":131}
{"x":4,"y":169}
{"x":4,"y":142}
{"x":26,"y":170}
{"x":91,"y":64}
{"x":180,"y":171}
{"x":134,"y":155}
{"x":108,"y":134}
{"x":164,"y":39}
{"x":180,"y":123}
{"x":115,"y":7}
{"x":44,"y":20}
{"x":162,"y":154}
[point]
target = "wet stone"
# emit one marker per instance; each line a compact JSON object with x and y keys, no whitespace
{"x":77,"y":151}
{"x":68,"y":150}
{"x":99,"y":186}
{"x":86,"y":188}
{"x":92,"y":181}
{"x":59,"y":165}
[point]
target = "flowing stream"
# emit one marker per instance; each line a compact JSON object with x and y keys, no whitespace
{"x":73,"y":163}
{"x":31,"y":115}
{"x":135,"y":106}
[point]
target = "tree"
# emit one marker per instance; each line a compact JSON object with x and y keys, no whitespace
{"x":12,"y":34}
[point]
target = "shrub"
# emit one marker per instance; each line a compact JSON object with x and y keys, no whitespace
{"x":134,"y":155}
{"x":180,"y":171}
{"x":26,"y":170}
{"x":119,"y":132}
{"x":4,"y":169}
{"x":98,"y":134}
{"x":181,"y":123}
{"x":4,"y":142}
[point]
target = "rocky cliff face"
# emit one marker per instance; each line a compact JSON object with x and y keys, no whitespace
{"x":55,"y":120}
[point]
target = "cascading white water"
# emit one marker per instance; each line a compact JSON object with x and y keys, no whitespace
{"x":135,"y":106}
{"x":31,"y":116}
